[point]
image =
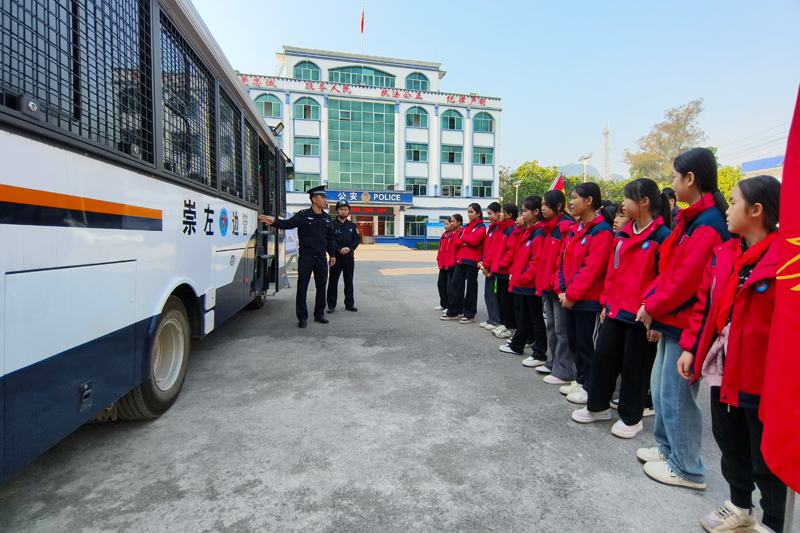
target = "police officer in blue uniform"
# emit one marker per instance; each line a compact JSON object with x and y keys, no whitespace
{"x":346,"y":239}
{"x":315,"y":233}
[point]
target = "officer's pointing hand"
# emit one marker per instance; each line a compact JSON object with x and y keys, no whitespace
{"x":266,"y":219}
{"x":332,"y":261}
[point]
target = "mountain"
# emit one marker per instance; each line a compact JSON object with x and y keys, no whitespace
{"x":576,"y":170}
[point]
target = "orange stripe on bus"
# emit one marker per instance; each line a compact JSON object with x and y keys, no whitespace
{"x":19,"y":195}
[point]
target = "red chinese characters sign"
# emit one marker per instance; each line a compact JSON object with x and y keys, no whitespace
{"x":256,"y":81}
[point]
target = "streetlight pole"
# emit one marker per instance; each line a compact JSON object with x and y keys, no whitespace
{"x":583,"y":160}
{"x":516,"y":191}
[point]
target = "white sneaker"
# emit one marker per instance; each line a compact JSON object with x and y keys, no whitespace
{"x":729,"y":518}
{"x":507,"y":334}
{"x":614,"y":404}
{"x":552,"y":380}
{"x":438,"y":308}
{"x":579,"y":397}
{"x":491,"y":327}
{"x":532,"y":362}
{"x":498,"y":330}
{"x":445,"y":317}
{"x":483,"y":324}
{"x":623,"y":431}
{"x":542,"y":369}
{"x":648,"y":412}
{"x":651,"y":455}
{"x":444,"y":312}
{"x":661,"y":472}
{"x":505,"y":348}
{"x":585,"y":416}
{"x":569,"y":389}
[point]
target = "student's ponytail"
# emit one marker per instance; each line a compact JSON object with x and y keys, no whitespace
{"x":702,"y":163}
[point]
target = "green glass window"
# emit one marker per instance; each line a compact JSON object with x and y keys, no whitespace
{"x":360,"y":156}
{"x":482,"y":189}
{"x":482,"y":156}
{"x":451,"y":154}
{"x":306,"y":108}
{"x":417,"y":186}
{"x":268,"y":105}
{"x":361,"y":76}
{"x":417,"y":82}
{"x":306,"y":71}
{"x":306,"y":146}
{"x":415,"y":225}
{"x":416,"y":152}
{"x":451,"y":187}
{"x":416,"y":117}
{"x":483,"y":122}
{"x":303,"y":182}
{"x":452,"y":120}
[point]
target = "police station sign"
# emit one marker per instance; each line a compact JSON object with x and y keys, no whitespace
{"x":371,"y":197}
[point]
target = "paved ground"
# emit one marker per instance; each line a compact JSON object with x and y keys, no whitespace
{"x":384,"y":420}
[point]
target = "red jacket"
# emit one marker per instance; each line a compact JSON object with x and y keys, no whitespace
{"x":551,"y":249}
{"x":449,"y":258}
{"x":632,"y":266}
{"x":469,"y":243}
{"x":582,"y":265}
{"x":751,"y":318}
{"x":523,"y":270}
{"x":488,"y":245}
{"x":440,"y":255}
{"x":670,"y":298}
{"x":505,"y":248}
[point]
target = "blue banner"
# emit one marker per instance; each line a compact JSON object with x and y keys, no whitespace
{"x":371,"y":197}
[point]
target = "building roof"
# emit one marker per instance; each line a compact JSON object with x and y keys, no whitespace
{"x":361,"y":58}
{"x":763,"y":164}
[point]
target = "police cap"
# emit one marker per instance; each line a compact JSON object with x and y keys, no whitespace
{"x":342,"y":203}
{"x":317,"y":190}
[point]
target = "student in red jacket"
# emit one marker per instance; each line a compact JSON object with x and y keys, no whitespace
{"x":504,"y":248}
{"x":727,"y":341}
{"x":580,"y":280}
{"x":469,"y":248}
{"x":489,"y":297}
{"x":449,"y":258}
{"x":527,"y":306}
{"x":561,"y":366}
{"x":665,"y":312}
{"x":441,"y":283}
{"x":623,"y":349}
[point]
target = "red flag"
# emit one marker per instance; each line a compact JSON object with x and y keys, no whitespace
{"x":362,"y":19}
{"x":780,"y":396}
{"x":558,"y":185}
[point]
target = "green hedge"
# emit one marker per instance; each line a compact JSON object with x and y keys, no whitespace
{"x":431,"y":246}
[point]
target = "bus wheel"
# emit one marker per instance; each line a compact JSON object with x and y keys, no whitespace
{"x":169,"y":358}
{"x":259,"y":302}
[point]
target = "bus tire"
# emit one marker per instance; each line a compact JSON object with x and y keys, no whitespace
{"x":169,"y":358}
{"x":259,"y":301}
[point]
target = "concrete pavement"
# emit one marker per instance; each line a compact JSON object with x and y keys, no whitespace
{"x":384,"y":420}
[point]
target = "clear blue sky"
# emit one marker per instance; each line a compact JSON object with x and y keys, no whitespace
{"x":562,"y":69}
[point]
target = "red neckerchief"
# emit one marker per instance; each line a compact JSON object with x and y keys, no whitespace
{"x":549,"y":225}
{"x":749,"y":257}
{"x":578,"y":233}
{"x":685,"y":216}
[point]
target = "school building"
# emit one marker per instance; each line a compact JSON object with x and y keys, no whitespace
{"x":380,"y":134}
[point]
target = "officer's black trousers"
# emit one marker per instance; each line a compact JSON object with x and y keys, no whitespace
{"x":345,"y":265}
{"x":305,"y":266}
{"x":738,"y":435}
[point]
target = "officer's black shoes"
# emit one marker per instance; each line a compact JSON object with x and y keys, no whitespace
{"x":331,"y":310}
{"x":302,"y":324}
{"x":321,"y":320}
{"x":353,"y":309}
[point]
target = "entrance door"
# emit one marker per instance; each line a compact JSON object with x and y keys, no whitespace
{"x":366,"y":229}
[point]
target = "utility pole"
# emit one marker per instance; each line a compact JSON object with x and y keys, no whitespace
{"x":605,"y":172}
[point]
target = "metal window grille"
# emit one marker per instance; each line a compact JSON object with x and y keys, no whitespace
{"x":230,"y":145}
{"x":250,"y":165}
{"x":82,"y":67}
{"x":189,"y":109}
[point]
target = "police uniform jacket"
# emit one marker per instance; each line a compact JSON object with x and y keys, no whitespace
{"x":314,"y":231}
{"x":345,"y":235}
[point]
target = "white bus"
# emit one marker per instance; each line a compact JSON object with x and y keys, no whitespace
{"x":133,"y":167}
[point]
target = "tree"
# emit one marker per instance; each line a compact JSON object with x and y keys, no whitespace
{"x":667,"y":140}
{"x":727,"y":178}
